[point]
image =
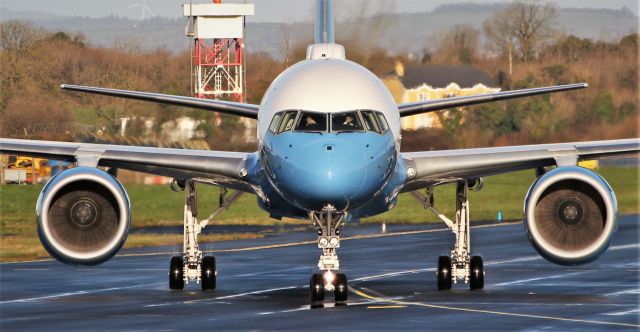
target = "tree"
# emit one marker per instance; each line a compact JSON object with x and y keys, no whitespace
{"x":525,"y":25}
{"x":459,"y":43}
{"x":500,"y":37}
{"x":17,"y":36}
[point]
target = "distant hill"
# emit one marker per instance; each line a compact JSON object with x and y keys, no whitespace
{"x":404,"y":33}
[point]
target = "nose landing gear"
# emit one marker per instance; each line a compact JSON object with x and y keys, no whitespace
{"x":328,"y":223}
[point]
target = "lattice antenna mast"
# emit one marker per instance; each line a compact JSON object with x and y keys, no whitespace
{"x":217,"y":32}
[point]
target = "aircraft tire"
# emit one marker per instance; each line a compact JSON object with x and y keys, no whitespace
{"x":444,"y":273}
{"x":476,"y":279}
{"x":341,"y":288}
{"x":176,"y":273}
{"x":316,"y":288}
{"x":208,"y":273}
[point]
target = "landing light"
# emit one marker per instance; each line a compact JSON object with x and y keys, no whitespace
{"x":328,"y":277}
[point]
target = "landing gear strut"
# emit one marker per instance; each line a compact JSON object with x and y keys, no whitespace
{"x":328,"y":223}
{"x":460,"y":265}
{"x":193,"y":265}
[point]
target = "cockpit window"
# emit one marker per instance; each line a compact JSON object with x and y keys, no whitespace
{"x":370,"y":121}
{"x":314,"y":122}
{"x":383,"y":122}
{"x":273,"y":127}
{"x":288,"y":119}
{"x":348,"y":121}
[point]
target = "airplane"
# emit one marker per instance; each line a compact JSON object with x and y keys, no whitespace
{"x":328,"y":151}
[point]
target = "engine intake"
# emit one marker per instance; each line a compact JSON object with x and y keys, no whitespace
{"x":83,"y":216}
{"x":571,"y":214}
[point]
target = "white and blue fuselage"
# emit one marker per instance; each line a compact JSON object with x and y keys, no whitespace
{"x":329,"y":134}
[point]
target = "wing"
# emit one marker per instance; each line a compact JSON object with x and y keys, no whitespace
{"x":419,"y":107}
{"x":432,"y":167}
{"x":220,"y":168}
{"x":226,"y":107}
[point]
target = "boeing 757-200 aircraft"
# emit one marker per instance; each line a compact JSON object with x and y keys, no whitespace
{"x":329,"y":150}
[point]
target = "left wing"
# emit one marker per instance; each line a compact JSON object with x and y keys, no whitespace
{"x":226,"y":107}
{"x":224,"y":169}
{"x":433,"y":167}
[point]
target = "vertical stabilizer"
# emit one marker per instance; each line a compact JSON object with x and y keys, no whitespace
{"x":324,"y":22}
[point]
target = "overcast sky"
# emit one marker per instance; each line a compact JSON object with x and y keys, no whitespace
{"x":266,"y":10}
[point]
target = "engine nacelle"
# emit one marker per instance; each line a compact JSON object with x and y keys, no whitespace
{"x":83,"y":216}
{"x":571,"y":214}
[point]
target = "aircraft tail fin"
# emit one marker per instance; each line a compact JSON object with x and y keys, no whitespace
{"x":324,"y":22}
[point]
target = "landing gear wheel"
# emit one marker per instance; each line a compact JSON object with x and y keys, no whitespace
{"x":208,"y":273}
{"x":444,"y":273}
{"x":176,"y":273}
{"x":316,"y":288}
{"x":341,"y":288}
{"x":476,"y":279}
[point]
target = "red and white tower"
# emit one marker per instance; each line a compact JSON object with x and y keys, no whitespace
{"x":217,"y":30}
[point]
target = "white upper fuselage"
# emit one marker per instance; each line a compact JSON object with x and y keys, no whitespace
{"x":327,"y":85}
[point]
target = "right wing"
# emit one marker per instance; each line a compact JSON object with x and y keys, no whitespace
{"x":226,"y":107}
{"x":224,"y":169}
{"x":425,"y":106}
{"x":433,"y":167}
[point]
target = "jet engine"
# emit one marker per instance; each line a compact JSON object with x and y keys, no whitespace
{"x":571,"y":214}
{"x":83,"y":216}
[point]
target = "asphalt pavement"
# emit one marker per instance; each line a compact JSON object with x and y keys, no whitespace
{"x":263,"y":285}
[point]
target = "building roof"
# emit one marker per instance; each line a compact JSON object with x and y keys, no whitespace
{"x":440,"y":76}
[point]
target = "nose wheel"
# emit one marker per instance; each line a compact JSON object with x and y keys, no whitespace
{"x":319,"y":284}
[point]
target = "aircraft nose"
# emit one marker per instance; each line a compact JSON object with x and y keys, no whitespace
{"x":329,"y":172}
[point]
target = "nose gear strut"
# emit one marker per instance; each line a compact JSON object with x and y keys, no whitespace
{"x":328,"y":223}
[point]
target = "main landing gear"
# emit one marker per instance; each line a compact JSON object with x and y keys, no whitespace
{"x":192,"y":264}
{"x":460,"y":265}
{"x":328,"y":223}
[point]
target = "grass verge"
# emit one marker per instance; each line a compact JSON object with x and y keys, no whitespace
{"x":159,"y":206}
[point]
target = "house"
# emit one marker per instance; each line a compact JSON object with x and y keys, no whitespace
{"x":416,"y":82}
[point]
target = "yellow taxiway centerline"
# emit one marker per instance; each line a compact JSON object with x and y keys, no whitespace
{"x":481,"y":311}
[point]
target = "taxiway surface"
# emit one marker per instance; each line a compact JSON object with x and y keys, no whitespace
{"x":263,"y":285}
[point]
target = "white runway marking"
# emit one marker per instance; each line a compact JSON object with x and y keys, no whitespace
{"x":234,"y":295}
{"x":624,"y":292}
{"x":80,"y":292}
{"x":538,"y":278}
{"x":623,"y":313}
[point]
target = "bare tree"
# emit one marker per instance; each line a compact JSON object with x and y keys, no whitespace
{"x":525,"y":24}
{"x":459,"y":44}
{"x":17,"y":36}
{"x":500,"y":37}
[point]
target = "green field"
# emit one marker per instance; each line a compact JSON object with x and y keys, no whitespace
{"x":158,"y":205}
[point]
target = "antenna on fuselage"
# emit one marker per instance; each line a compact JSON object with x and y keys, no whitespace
{"x":324,"y":46}
{"x":324,"y":22}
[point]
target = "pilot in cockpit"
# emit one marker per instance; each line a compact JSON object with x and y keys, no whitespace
{"x":348,"y":121}
{"x":310,"y":123}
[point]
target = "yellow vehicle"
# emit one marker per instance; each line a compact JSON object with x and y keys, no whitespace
{"x":32,"y":168}
{"x":590,"y":164}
